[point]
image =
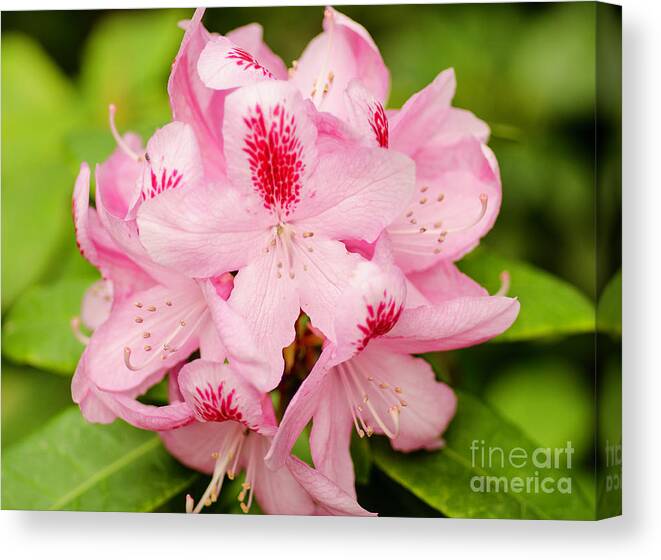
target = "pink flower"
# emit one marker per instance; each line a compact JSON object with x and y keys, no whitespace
{"x":368,"y":380}
{"x":201,"y":107}
{"x":230,"y":429}
{"x":293,"y":193}
{"x":342,"y":72}
{"x":149,"y":318}
{"x":343,"y":52}
{"x":458,"y":185}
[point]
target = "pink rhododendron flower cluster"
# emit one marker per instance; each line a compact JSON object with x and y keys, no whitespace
{"x":286,"y":235}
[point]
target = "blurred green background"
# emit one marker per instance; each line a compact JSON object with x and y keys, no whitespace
{"x":529,"y":70}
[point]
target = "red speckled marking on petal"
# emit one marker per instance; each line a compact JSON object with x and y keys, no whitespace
{"x":380,"y":319}
{"x":379,"y":124}
{"x":275,"y":158}
{"x":167,"y":180}
{"x":215,"y":406}
{"x":247,"y":62}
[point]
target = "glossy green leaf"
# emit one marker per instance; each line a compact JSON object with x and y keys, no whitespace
{"x":550,"y":400}
{"x":549,"y":306}
{"x":38,"y":109}
{"x":609,"y":308}
{"x":29,"y":398}
{"x":448,"y":479}
{"x":73,"y":465}
{"x":37,"y":330}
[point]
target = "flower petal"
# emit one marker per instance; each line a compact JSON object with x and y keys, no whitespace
{"x":194,"y":103}
{"x":223,"y":65}
{"x":215,"y":393}
{"x":423,"y":115}
{"x":300,"y":410}
{"x":173,"y":160}
{"x":148,"y":417}
{"x":453,"y":324}
{"x":323,"y":268}
{"x":277,"y":492}
{"x":270,"y":145}
{"x":236,"y":338}
{"x":117,"y":184}
{"x":343,"y":52}
{"x":444,"y":281}
{"x":99,"y":248}
{"x":330,"y":437}
{"x":366,"y":115}
{"x":330,"y":497}
{"x":267,"y":299}
{"x":251,"y":38}
{"x":153,"y":331}
{"x":371,"y":304}
{"x":97,"y":303}
{"x":427,"y":405}
{"x":194,"y":445}
{"x":356,"y":192}
{"x":451,"y":211}
{"x":204,"y":231}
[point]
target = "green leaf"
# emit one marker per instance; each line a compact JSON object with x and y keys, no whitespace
{"x":38,"y":109}
{"x":73,"y":465}
{"x":126,"y":62}
{"x":22,"y":388}
{"x":447,"y":479}
{"x":361,"y":455}
{"x":37,"y":330}
{"x":548,"y":399}
{"x":549,"y":306}
{"x":609,"y":307}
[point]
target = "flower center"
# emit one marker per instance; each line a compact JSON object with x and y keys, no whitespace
{"x":373,"y":402}
{"x":424,"y":228}
{"x":164,"y":327}
{"x":290,"y":248}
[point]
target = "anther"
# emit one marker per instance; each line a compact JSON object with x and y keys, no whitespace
{"x":190,"y":503}
{"x":138,"y":304}
{"x":147,"y":347}
{"x":138,"y":319}
{"x":151,"y":308}
{"x":146,"y":334}
{"x":423,"y":200}
{"x":307,"y":234}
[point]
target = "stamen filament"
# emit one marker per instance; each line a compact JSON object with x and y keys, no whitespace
{"x":166,"y":345}
{"x":504,"y":284}
{"x":77,"y":332}
{"x":120,"y":141}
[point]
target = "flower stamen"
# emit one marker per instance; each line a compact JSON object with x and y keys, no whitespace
{"x":121,"y":143}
